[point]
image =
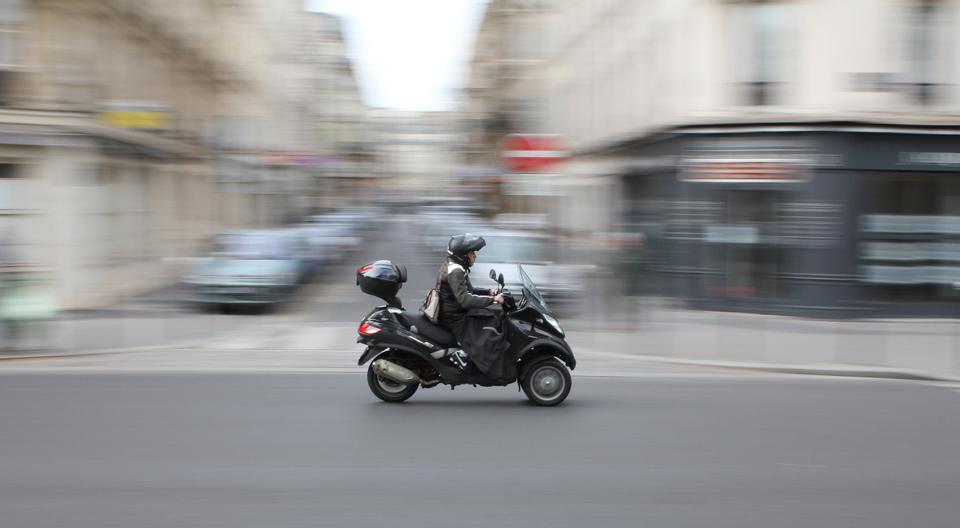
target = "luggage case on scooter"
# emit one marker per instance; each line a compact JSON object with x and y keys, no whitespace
{"x":382,"y":279}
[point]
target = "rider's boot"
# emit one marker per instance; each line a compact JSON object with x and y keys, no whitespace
{"x":426,"y":384}
{"x":459,"y":358}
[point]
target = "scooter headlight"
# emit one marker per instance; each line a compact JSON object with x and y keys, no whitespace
{"x":553,"y":322}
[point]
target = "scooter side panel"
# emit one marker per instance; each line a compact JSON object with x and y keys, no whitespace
{"x":369,"y":353}
{"x":558,"y":348}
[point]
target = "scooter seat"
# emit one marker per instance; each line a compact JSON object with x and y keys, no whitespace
{"x":437,"y":334}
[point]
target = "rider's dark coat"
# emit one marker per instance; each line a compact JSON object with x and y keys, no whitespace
{"x":480,"y":331}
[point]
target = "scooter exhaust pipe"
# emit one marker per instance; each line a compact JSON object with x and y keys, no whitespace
{"x":394,"y":372}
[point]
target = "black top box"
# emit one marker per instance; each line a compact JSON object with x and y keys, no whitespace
{"x":382,"y":279}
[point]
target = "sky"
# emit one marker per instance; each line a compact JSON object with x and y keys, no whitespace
{"x":408,"y":54}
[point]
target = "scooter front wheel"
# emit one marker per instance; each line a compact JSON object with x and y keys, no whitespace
{"x":547,"y":382}
{"x":387,"y":389}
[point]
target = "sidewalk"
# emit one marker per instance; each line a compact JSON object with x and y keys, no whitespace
{"x":113,"y":330}
{"x":655,"y":333}
{"x":333,"y":347}
{"x":886,"y":348}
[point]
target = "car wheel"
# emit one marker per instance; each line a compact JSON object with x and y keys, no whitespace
{"x":547,"y":382}
{"x":389,"y":390}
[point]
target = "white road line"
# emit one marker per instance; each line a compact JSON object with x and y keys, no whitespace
{"x":949,"y":385}
{"x":952,"y":385}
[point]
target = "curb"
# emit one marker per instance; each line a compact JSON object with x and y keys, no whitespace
{"x":58,"y":355}
{"x":91,"y":353}
{"x":854,"y":371}
{"x":837,"y":370}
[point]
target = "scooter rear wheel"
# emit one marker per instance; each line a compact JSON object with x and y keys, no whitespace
{"x":389,"y":390}
{"x":547,"y":382}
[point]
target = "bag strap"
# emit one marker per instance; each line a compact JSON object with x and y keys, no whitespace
{"x":443,"y":268}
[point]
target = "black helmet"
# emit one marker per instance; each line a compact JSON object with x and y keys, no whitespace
{"x":460,"y":245}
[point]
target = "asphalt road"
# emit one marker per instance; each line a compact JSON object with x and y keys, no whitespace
{"x":276,"y":450}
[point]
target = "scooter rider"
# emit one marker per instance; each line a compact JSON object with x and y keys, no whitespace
{"x":461,"y":306}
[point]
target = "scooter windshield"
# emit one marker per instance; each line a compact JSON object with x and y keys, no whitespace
{"x":531,"y":288}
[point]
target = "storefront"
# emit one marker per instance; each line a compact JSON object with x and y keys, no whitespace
{"x":824,"y":222}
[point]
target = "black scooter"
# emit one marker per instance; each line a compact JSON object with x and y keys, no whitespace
{"x":406,"y":351}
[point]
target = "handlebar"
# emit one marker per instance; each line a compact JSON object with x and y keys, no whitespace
{"x":509,"y":302}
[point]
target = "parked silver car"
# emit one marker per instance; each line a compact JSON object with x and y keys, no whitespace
{"x":560,"y":284}
{"x":249,"y":267}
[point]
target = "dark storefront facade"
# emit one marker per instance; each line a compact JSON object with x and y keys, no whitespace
{"x":850,"y":221}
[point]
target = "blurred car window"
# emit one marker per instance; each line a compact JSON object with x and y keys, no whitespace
{"x":251,"y":246}
{"x":516,"y":248}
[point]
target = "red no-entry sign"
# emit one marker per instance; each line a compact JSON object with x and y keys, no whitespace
{"x":534,"y":152}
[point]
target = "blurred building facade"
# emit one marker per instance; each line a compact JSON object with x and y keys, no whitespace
{"x":418,"y":156}
{"x":132,"y":129}
{"x":338,"y":123}
{"x":500,"y":98}
{"x":785,"y":156}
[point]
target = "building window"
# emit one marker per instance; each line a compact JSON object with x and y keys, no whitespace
{"x":910,"y":236}
{"x":926,"y":48}
{"x":760,"y":49}
{"x":12,"y":13}
{"x":741,"y":248}
{"x":12,"y":16}
{"x":9,"y":46}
